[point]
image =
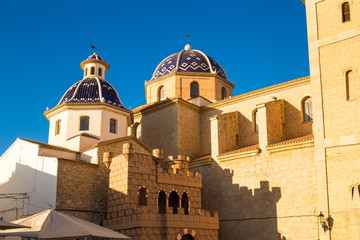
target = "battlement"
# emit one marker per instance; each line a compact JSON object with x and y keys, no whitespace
{"x":177,"y":173}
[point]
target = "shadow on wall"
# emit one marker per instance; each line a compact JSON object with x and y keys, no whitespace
{"x":243,"y":213}
{"x":27,"y":191}
{"x":294,"y":125}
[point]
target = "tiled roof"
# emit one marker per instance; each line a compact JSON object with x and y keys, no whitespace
{"x":241,"y":149}
{"x":293,"y":140}
{"x":92,"y":90}
{"x":49,"y":146}
{"x":188,"y":61}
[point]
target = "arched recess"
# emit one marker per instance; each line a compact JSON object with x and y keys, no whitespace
{"x":162,"y":202}
{"x":136,"y":130}
{"x":306,"y":109}
{"x":255,"y":119}
{"x":174,"y":201}
{"x":194,"y":89}
{"x":352,"y":85}
{"x":185,"y":203}
{"x":161,"y":93}
{"x":58,"y":127}
{"x":187,"y":234}
{"x":345,"y":12}
{"x":223,"y":93}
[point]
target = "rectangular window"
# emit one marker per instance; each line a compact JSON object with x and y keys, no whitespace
{"x":84,"y":123}
{"x":113,"y":123}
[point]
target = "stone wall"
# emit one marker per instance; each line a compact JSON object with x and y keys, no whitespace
{"x":267,"y":196}
{"x":82,"y":190}
{"x":343,"y":173}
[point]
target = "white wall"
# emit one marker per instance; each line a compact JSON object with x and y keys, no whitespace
{"x":27,"y":181}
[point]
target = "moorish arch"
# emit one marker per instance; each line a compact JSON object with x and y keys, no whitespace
{"x":187,"y":234}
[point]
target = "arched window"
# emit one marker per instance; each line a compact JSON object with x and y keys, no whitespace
{"x":92,"y":70}
{"x":113,"y":125}
{"x":84,"y":123}
{"x":57,"y":127}
{"x":307,"y":109}
{"x":162,"y":202}
{"x":255,"y":120}
{"x":194,"y":89}
{"x":345,"y":10}
{"x":85,"y":71}
{"x":100,"y":72}
{"x":185,"y":203}
{"x":359,"y":190}
{"x":223,"y":93}
{"x":142,"y":197}
{"x":138,"y":131}
{"x":174,"y":201}
{"x":161,"y":93}
{"x":352,"y":86}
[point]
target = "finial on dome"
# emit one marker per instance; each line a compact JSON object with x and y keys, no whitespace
{"x":187,"y":47}
{"x":95,"y":47}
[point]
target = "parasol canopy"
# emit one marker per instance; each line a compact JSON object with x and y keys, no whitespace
{"x":53,"y":224}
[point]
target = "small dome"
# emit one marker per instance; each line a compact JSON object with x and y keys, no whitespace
{"x":189,"y":61}
{"x":95,"y":58}
{"x":92,"y":90}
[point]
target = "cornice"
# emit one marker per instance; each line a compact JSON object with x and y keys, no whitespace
{"x":239,"y":153}
{"x":291,"y":144}
{"x":200,"y":161}
{"x":190,"y":74}
{"x":257,"y":93}
{"x":75,"y":106}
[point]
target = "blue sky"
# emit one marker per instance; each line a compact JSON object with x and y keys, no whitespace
{"x":42,"y":43}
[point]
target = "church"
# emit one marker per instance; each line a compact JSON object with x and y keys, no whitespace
{"x":196,"y":162}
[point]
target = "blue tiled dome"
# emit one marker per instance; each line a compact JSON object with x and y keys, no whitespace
{"x":92,"y":90}
{"x":189,"y":61}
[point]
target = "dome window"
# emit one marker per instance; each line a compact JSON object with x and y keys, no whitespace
{"x":100,"y":72}
{"x":92,"y":71}
{"x":161,"y":93}
{"x":113,"y":124}
{"x":194,"y":90}
{"x":223,"y":93}
{"x":58,"y":127}
{"x":84,"y":123}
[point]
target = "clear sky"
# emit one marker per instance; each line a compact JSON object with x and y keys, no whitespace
{"x":258,"y":43}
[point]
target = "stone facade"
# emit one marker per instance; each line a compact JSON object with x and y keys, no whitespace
{"x":144,"y":216}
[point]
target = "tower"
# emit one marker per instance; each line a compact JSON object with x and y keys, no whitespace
{"x":89,"y":112}
{"x":334,"y":51}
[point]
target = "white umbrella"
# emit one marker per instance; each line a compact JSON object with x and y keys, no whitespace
{"x":52,"y":224}
{"x":6,"y":225}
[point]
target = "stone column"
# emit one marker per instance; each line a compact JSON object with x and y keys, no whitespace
{"x":262,"y":126}
{"x":214,"y":133}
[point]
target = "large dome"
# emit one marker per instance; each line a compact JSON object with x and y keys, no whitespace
{"x":92,"y":90}
{"x":189,"y":61}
